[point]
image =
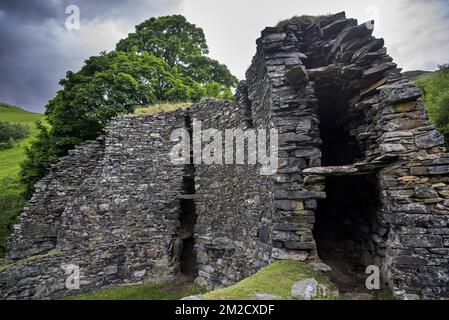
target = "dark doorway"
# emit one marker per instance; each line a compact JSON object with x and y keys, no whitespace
{"x":348,"y":233}
{"x":189,"y":265}
{"x":339,"y":146}
{"x":188,"y":217}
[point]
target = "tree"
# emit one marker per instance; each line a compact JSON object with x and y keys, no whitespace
{"x":113,"y":84}
{"x":163,"y":61}
{"x":170,"y":38}
{"x":39,"y":156}
{"x":180,"y":44}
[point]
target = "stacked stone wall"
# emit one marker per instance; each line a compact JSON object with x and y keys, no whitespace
{"x":234,"y":204}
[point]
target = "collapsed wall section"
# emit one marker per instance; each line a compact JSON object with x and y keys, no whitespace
{"x":40,"y":220}
{"x":120,"y":224}
{"x":129,"y":208}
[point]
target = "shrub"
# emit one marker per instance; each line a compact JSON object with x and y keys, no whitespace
{"x":14,"y":131}
{"x":7,"y":145}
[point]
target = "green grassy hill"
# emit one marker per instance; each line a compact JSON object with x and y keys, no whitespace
{"x":10,"y":159}
{"x":11,"y":201}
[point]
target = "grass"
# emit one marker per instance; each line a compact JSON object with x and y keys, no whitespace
{"x":276,"y":279}
{"x":307,"y":19}
{"x":10,"y":159}
{"x":161,"y":108}
{"x":424,"y":77}
{"x":149,"y":291}
{"x":11,"y":200}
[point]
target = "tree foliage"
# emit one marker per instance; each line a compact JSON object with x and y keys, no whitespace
{"x":163,"y":61}
{"x":436,"y":97}
{"x":182,"y":46}
{"x":171,"y":38}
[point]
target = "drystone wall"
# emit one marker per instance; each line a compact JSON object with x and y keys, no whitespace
{"x":123,"y":213}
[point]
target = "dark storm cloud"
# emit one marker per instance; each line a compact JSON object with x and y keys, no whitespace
{"x":25,"y":9}
{"x":36,"y":49}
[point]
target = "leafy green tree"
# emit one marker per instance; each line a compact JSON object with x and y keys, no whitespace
{"x":39,"y":156}
{"x":170,"y":38}
{"x":205,"y":70}
{"x":163,"y":61}
{"x":112,"y":84}
{"x":180,"y":44}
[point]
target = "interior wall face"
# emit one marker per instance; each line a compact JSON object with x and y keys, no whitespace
{"x":234,"y":206}
{"x":346,"y":220}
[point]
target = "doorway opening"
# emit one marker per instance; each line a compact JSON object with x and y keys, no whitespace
{"x":348,"y":231}
{"x":189,"y":265}
{"x":339,"y":147}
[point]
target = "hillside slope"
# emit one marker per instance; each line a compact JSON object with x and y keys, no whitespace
{"x":11,"y":201}
{"x":10,"y":159}
{"x":416,"y":75}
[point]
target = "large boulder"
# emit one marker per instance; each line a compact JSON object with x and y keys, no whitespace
{"x":305,"y":289}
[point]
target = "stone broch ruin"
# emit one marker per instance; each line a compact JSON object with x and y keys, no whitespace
{"x":362,"y":176}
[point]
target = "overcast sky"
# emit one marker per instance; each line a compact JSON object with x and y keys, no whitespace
{"x":36,"y":48}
